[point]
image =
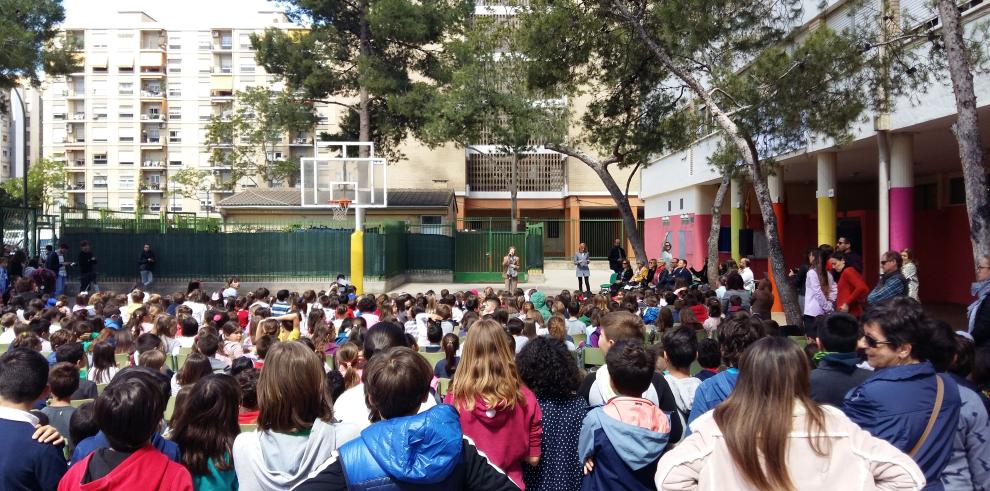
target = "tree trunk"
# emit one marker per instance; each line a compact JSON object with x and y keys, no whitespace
{"x":967,"y":129}
{"x":514,"y":191}
{"x":734,"y":137}
{"x":621,"y":202}
{"x":713,"y":231}
{"x":364,"y":105}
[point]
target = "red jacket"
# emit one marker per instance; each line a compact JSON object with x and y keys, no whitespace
{"x":852,"y":291}
{"x":700,"y":312}
{"x":146,"y":469}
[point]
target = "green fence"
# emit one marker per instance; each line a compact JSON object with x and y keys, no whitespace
{"x":598,"y":233}
{"x":85,"y":220}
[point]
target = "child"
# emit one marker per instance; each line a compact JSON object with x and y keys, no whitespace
{"x":261,"y":350}
{"x":710,"y":359}
{"x":574,"y":324}
{"x":597,"y":388}
{"x":209,"y":344}
{"x":24,"y":462}
{"x":837,"y":371}
{"x":496,"y":410}
{"x":714,"y":317}
{"x":398,"y":381}
{"x":348,"y":362}
{"x":128,"y":413}
{"x":281,"y":305}
{"x":680,"y":348}
{"x":63,"y":379}
{"x":232,"y":347}
{"x":735,"y":304}
{"x":73,"y":353}
{"x":622,"y":440}
{"x":247,"y":380}
{"x":205,"y":431}
{"x":153,"y":359}
{"x":735,"y":334}
{"x":447,"y":366}
{"x":434,"y":333}
{"x":295,"y":423}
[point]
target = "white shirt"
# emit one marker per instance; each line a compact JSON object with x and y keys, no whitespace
{"x":350,"y":407}
{"x":198,"y":311}
{"x":8,"y":336}
{"x":747,"y":276}
{"x":11,"y":414}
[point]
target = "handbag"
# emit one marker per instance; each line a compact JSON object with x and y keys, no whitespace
{"x":939,"y":389}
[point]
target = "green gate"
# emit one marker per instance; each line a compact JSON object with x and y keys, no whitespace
{"x":478,"y":255}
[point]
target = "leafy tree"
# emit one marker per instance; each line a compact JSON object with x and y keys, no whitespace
{"x":46,"y":183}
{"x":245,"y":139}
{"x":383,"y":53}
{"x":28,"y":34}
{"x":488,"y":101}
{"x":629,"y":115}
{"x":765,"y":89}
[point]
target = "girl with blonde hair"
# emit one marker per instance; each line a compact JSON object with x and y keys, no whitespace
{"x":496,"y":410}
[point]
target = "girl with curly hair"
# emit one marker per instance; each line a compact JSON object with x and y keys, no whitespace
{"x":547,"y":367}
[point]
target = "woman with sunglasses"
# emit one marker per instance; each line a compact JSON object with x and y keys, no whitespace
{"x":905,"y":402}
{"x":978,"y":312}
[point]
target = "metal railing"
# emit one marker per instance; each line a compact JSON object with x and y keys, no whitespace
{"x":536,"y":172}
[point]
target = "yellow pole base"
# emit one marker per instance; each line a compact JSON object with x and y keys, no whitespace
{"x":357,"y":261}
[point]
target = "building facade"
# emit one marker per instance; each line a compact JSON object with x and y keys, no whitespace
{"x":896,"y":185}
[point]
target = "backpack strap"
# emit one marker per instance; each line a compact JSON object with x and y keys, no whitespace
{"x":939,"y":392}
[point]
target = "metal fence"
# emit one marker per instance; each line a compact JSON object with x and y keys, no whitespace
{"x":598,"y":233}
{"x":27,"y":229}
{"x":81,"y":219}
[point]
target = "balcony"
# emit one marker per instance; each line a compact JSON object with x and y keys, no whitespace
{"x":539,"y":172}
{"x":221,"y":95}
{"x":79,"y":116}
{"x":152,"y":164}
{"x":151,"y":94}
{"x":222,"y":70}
{"x":151,"y":117}
{"x":151,"y":140}
{"x":77,"y":187}
{"x":152,"y":188}
{"x":301,"y":141}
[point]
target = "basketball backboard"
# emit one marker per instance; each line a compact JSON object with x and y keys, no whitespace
{"x":338,"y":173}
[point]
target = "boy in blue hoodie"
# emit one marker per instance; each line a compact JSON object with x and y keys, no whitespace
{"x":622,"y":441}
{"x":403,"y":449}
{"x":734,"y":334}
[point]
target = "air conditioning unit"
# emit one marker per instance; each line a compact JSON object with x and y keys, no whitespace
{"x":216,"y":34}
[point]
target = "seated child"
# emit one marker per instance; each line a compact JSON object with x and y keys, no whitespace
{"x":397,"y":382}
{"x":128,"y":413}
{"x":709,"y":357}
{"x":434,"y":333}
{"x":623,"y":440}
{"x":63,"y":379}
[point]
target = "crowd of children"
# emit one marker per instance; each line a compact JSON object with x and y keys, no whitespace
{"x":332,"y":390}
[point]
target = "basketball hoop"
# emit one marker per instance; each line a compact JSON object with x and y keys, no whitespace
{"x":339,"y":207}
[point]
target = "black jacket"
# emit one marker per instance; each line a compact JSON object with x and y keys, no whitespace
{"x":835,"y":376}
{"x":52,"y":262}
{"x":147,"y":261}
{"x":981,"y":325}
{"x":86,"y":262}
{"x":615,"y":257}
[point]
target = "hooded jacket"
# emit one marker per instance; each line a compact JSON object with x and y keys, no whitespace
{"x":507,"y":436}
{"x":625,"y":455}
{"x":539,"y":300}
{"x":855,"y":461}
{"x":147,"y":468}
{"x":268,"y":460}
{"x":836,"y":375}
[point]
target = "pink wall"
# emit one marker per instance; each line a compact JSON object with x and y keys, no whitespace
{"x":945,"y":255}
{"x":901,"y":217}
{"x":695,"y":237}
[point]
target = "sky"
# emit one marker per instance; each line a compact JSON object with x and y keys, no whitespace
{"x":175,"y":13}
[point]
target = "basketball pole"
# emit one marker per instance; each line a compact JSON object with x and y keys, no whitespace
{"x":357,"y":252}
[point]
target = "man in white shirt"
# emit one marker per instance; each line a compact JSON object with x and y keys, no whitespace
{"x":747,"y":274}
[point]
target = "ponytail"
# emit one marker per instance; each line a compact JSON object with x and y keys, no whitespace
{"x":450,"y":343}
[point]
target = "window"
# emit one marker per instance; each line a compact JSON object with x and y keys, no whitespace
{"x":175,"y":163}
{"x":125,"y":112}
{"x":99,"y":182}
{"x":100,"y":134}
{"x":552,"y":228}
{"x":155,"y":204}
{"x":125,"y":134}
{"x":175,"y":112}
{"x":682,"y":203}
{"x":125,"y":158}
{"x":669,"y":208}
{"x":99,"y":40}
{"x":100,"y":111}
{"x":99,"y":202}
{"x":246,"y":64}
{"x":125,"y":88}
{"x":204,"y":43}
{"x":126,"y":204}
{"x":174,"y":89}
{"x":205,"y":64}
{"x":205,"y":200}
{"x":174,"y":65}
{"x":99,"y":87}
{"x":125,"y":69}
{"x":174,"y":42}
{"x":123,"y":35}
{"x":99,"y":159}
{"x":431,"y":224}
{"x":244,"y":40}
{"x":126,"y":182}
{"x":174,"y":136}
{"x":205,"y":113}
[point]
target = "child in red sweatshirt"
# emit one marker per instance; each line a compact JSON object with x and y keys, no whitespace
{"x":496,"y":411}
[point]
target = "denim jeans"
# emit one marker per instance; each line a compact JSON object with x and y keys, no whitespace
{"x":59,"y":284}
{"x":147,"y":278}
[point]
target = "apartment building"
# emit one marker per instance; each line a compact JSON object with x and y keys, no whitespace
{"x":6,"y":140}
{"x":137,"y":111}
{"x":897,"y":185}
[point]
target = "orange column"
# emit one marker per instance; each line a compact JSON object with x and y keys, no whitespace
{"x":775,"y":183}
{"x":572,"y":225}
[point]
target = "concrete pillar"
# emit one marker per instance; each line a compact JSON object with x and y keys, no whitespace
{"x":461,"y":208}
{"x":572,"y":225}
{"x":735,"y":216}
{"x":901,"y":194}
{"x":825,"y":193}
{"x":775,"y":184}
{"x":883,"y":196}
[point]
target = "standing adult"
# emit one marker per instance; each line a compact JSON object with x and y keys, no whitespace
{"x":666,"y":255}
{"x":909,"y":269}
{"x":510,"y":269}
{"x":615,"y":256}
{"x":55,"y":261}
{"x":978,"y":312}
{"x":844,"y":246}
{"x":749,"y":282}
{"x":820,"y":291}
{"x":852,"y":287}
{"x":146,"y":265}
{"x":581,"y":264}
{"x":905,"y":402}
{"x":892,"y":282}
{"x":87,"y":268}
{"x":799,"y":275}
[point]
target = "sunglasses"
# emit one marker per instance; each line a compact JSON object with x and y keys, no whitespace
{"x":873,"y":343}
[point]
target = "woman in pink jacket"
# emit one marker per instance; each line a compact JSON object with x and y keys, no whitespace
{"x":805,"y":446}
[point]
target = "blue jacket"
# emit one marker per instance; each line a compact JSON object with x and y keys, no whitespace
{"x":625,"y":455}
{"x":895,"y":404}
{"x":710,"y":393}
{"x":26,"y":464}
{"x":99,"y":440}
